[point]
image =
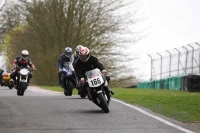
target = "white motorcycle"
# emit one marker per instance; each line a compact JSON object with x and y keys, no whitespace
{"x":98,"y":91}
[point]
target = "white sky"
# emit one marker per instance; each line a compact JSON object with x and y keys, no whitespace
{"x":173,"y":23}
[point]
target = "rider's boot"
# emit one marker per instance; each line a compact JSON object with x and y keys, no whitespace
{"x":28,"y":82}
{"x":109,"y":90}
{"x":82,"y":90}
{"x":11,"y":82}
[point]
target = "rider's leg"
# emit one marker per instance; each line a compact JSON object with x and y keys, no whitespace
{"x":108,"y":80}
{"x":13,"y":78}
{"x":30,"y":75}
{"x":82,"y":88}
{"x":63,"y":80}
{"x":59,"y":78}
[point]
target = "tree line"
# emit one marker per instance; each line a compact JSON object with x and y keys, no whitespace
{"x":46,"y":27}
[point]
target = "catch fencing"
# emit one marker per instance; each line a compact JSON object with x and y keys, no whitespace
{"x":175,"y":69}
{"x":180,"y":61}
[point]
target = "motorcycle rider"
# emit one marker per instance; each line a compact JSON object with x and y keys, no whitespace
{"x":76,"y":54}
{"x":21,"y":61}
{"x":1,"y":76}
{"x":66,"y":58}
{"x":85,"y":63}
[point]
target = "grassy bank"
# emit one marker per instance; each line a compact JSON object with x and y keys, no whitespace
{"x":179,"y":105}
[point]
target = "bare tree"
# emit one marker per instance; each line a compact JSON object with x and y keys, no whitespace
{"x":99,"y":25}
{"x":10,"y":17}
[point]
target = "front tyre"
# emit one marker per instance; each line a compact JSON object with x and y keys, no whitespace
{"x":66,"y":93}
{"x":103,"y":103}
{"x":10,"y":86}
{"x":82,"y":95}
{"x":70,"y":88}
{"x":21,"y":90}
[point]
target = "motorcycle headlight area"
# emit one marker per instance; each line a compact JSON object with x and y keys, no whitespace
{"x":24,"y":76}
{"x":93,"y":76}
{"x":24,"y":71}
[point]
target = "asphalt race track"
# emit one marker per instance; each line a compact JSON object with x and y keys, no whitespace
{"x":41,"y":111}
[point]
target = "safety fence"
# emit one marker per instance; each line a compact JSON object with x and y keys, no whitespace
{"x":189,"y":83}
{"x":180,"y":61}
{"x":173,"y":83}
{"x":175,"y":69}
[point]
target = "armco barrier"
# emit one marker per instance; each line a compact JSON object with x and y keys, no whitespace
{"x":173,"y":83}
{"x":185,"y":83}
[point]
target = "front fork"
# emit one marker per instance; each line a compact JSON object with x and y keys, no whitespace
{"x":103,"y":90}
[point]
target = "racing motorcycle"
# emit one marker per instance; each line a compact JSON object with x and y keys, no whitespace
{"x":22,"y":80}
{"x":6,"y":79}
{"x":97,"y":89}
{"x":66,"y":83}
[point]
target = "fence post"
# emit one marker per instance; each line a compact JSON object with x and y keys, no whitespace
{"x":199,"y":57}
{"x":179,"y":53}
{"x":151,"y":66}
{"x":186,"y":60}
{"x":169,"y":63}
{"x":160,"y":66}
{"x":192,"y":55}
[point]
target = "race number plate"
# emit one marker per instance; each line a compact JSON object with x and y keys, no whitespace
{"x":95,"y":81}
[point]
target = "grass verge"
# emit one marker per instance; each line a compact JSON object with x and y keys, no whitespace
{"x":179,"y":105}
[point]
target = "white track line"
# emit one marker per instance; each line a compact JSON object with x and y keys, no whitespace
{"x":153,"y":116}
{"x":133,"y":107}
{"x":45,"y":92}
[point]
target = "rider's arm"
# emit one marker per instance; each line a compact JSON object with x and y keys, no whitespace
{"x":71,"y":67}
{"x":78,"y":69}
{"x":97,"y":64}
{"x":59,"y":62}
{"x":32,"y":65}
{"x":15,"y":62}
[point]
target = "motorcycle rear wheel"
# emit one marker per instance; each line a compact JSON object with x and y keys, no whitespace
{"x":68,"y":89}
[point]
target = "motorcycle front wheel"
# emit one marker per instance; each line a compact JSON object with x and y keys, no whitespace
{"x":82,"y":95}
{"x":21,"y":89}
{"x":68,"y":89}
{"x":103,"y":103}
{"x":10,"y":86}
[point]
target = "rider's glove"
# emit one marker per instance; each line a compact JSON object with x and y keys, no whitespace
{"x":60,"y":70}
{"x":104,"y":72}
{"x":14,"y":66}
{"x":73,"y":72}
{"x":30,"y":69}
{"x":82,"y":80}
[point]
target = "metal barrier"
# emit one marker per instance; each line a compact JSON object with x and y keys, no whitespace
{"x":180,"y":61}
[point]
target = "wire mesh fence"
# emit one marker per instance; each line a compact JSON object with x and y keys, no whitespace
{"x":180,"y":61}
{"x":181,"y":68}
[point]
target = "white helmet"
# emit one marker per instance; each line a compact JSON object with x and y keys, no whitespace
{"x":24,"y":54}
{"x":84,"y":54}
{"x":77,"y":49}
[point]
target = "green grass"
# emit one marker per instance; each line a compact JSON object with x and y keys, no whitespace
{"x":179,"y":105}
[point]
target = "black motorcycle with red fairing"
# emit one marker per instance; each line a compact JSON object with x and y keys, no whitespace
{"x":21,"y":72}
{"x":22,"y":80}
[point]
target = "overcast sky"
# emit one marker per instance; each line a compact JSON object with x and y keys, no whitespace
{"x":173,"y":23}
